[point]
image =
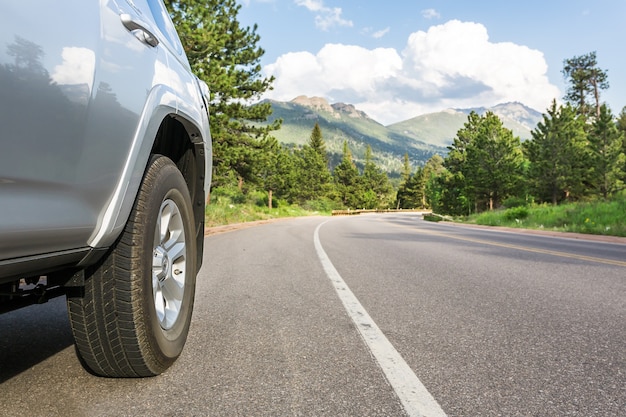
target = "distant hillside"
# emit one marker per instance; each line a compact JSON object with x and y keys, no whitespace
{"x":441,"y":127}
{"x":343,"y":122}
{"x":421,"y":137}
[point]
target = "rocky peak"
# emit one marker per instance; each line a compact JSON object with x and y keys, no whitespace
{"x":317,"y":103}
{"x":349,"y":109}
{"x":519,"y":112}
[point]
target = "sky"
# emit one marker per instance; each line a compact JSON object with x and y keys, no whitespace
{"x":398,"y":59}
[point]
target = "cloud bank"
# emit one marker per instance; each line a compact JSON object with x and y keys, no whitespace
{"x":450,"y":65}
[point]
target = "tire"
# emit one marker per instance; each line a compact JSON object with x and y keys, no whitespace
{"x":133,"y":316}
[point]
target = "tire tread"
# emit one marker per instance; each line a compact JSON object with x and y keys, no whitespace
{"x":108,"y":320}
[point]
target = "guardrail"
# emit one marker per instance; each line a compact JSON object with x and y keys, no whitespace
{"x":355,"y":212}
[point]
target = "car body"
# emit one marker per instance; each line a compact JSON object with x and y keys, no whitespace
{"x":91,"y":94}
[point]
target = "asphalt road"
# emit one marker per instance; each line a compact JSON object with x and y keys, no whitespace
{"x":371,"y":315}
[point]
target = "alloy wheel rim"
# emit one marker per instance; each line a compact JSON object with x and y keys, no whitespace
{"x":169,"y":263}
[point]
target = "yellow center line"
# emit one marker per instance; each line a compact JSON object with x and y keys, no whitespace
{"x":527,"y":249}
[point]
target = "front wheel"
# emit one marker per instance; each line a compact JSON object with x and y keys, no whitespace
{"x":133,"y":318}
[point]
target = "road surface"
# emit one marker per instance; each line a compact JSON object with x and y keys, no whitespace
{"x":370,"y":315}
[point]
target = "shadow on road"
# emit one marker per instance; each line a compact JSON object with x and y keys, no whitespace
{"x":30,"y":335}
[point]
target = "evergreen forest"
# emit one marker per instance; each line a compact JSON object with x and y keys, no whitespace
{"x":577,"y":153}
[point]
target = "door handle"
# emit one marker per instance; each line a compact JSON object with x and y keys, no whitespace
{"x":139,"y":29}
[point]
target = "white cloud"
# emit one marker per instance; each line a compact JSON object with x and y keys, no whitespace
{"x":430,"y":14}
{"x":353,"y":78}
{"x":326,"y":17}
{"x":331,"y":18}
{"x":450,"y":65}
{"x":312,"y":5}
{"x":380,"y":33}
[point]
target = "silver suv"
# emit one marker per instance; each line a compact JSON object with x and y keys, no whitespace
{"x":105,"y":166}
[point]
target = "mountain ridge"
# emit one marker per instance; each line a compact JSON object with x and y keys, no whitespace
{"x":420,"y":137}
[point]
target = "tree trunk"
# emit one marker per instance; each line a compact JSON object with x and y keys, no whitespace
{"x":269,"y":200}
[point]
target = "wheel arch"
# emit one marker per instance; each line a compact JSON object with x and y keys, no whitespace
{"x":165,"y":130}
{"x":182,"y":142}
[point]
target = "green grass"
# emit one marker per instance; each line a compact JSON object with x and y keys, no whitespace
{"x":598,"y":217}
{"x":229,"y":206}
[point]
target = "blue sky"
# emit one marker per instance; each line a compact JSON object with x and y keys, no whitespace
{"x":398,"y":59}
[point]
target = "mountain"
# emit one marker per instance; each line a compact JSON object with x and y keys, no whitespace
{"x":421,"y":137}
{"x":518,"y":113}
{"x":341,"y":122}
{"x":441,"y":127}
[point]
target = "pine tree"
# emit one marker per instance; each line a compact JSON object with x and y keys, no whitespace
{"x":287,"y":163}
{"x":449,"y":197}
{"x":377,"y":190}
{"x":346,"y":178}
{"x":484,"y":166}
{"x":460,"y":196}
{"x":406,"y":169}
{"x":607,"y":157}
{"x":621,"y":120}
{"x":558,"y":155}
{"x":402,"y":195}
{"x":316,"y":141}
{"x":432,"y":170}
{"x":621,"y":126}
{"x":493,"y":162}
{"x":226,"y":56}
{"x":314,"y":179}
{"x":586,"y":80}
{"x":411,"y":194}
{"x":275,"y":168}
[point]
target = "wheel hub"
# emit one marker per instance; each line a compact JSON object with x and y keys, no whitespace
{"x":162,"y":264}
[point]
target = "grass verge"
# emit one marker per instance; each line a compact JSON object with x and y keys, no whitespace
{"x":230,"y":206}
{"x":598,"y":217}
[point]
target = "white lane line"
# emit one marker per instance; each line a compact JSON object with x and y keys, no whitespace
{"x":415,"y":399}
